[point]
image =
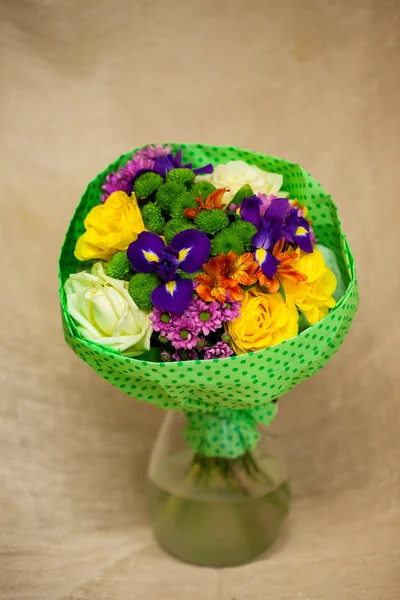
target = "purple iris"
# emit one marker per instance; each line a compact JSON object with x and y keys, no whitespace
{"x":297,"y":230}
{"x":279,"y":221}
{"x":164,"y":164}
{"x":188,"y":251}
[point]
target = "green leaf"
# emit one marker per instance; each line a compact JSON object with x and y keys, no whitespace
{"x":244,"y":192}
{"x":245,"y":288}
{"x":282,"y":291}
{"x":303,"y":323}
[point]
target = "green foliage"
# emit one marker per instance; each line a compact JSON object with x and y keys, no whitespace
{"x":146,"y":184}
{"x":191,"y":276}
{"x":244,"y":192}
{"x":226,"y":241}
{"x":152,"y":218}
{"x":181,"y":176}
{"x":175,"y":226}
{"x":245,"y":231}
{"x":303,"y":322}
{"x":167,"y":195}
{"x":140,"y":287}
{"x":203,"y":189}
{"x":185,"y":200}
{"x":118,"y":266}
{"x":211,"y":221}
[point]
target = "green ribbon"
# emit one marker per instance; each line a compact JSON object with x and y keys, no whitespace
{"x":225,"y":432}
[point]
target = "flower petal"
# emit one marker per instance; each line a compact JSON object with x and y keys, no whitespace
{"x":193,"y":247}
{"x":145,"y":252}
{"x":206,"y":170}
{"x":250,"y":210}
{"x":264,"y":238}
{"x":173,"y":296}
{"x":269,"y":265}
{"x":302,"y":236}
{"x":276,"y":214}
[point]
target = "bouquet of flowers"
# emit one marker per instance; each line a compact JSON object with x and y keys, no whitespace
{"x":207,"y":279}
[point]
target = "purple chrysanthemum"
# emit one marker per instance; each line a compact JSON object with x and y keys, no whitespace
{"x":184,"y":334}
{"x":122,"y":180}
{"x":185,"y":355}
{"x":230,"y":310}
{"x":162,"y":321}
{"x":206,"y":316}
{"x":220,"y":350}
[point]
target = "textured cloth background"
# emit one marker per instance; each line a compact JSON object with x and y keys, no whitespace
{"x":316,"y":82}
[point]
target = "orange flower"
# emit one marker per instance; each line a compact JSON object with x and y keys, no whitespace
{"x":212,"y":201}
{"x":285,"y":269}
{"x":223,"y":274}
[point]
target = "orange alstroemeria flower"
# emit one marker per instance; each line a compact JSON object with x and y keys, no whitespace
{"x":285,"y":269}
{"x":223,"y":276}
{"x":212,"y":201}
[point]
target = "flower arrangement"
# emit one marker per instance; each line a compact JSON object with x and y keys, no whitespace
{"x":210,"y":280}
{"x":196,"y":263}
{"x":182,"y":259}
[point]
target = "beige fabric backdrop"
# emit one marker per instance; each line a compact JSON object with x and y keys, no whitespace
{"x":83,"y":81}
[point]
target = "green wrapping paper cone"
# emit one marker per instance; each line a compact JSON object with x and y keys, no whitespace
{"x":230,"y":395}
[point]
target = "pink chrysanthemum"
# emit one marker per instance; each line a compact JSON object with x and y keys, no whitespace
{"x":122,"y":180}
{"x":220,"y":350}
{"x":230,"y":310}
{"x":183,"y":334}
{"x":206,"y":316}
{"x":162,"y":321}
{"x":185,"y":355}
{"x":266,"y":200}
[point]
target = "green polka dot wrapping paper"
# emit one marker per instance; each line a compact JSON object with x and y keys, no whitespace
{"x":224,"y":398}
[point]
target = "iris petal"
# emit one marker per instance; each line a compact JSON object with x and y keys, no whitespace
{"x":145,"y":252}
{"x":302,"y":236}
{"x":264,"y":238}
{"x":270,"y":266}
{"x":173,"y":296}
{"x":250,"y":210}
{"x":193,"y":247}
{"x":206,"y":170}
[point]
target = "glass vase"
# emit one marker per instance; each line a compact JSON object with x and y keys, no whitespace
{"x":215,"y":511}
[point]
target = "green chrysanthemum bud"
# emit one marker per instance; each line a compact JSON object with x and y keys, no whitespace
{"x":226,"y":241}
{"x":146,"y":184}
{"x":119,"y":266}
{"x":167,"y":195}
{"x":140,"y":287}
{"x":175,"y":226}
{"x":211,"y":221}
{"x":181,"y":176}
{"x":185,"y":200}
{"x":152,"y":218}
{"x":191,"y":276}
{"x":245,"y":231}
{"x":203,"y":189}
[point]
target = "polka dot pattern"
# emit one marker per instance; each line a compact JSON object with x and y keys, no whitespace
{"x":225,"y":432}
{"x":248,"y":382}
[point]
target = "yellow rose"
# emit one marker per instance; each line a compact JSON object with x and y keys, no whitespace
{"x":265,"y":320}
{"x":313,"y":296}
{"x":105,"y":313}
{"x":236,"y":173}
{"x":110,"y":227}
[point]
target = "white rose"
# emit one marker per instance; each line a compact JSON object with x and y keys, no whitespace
{"x":105,"y":313}
{"x":236,"y":173}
